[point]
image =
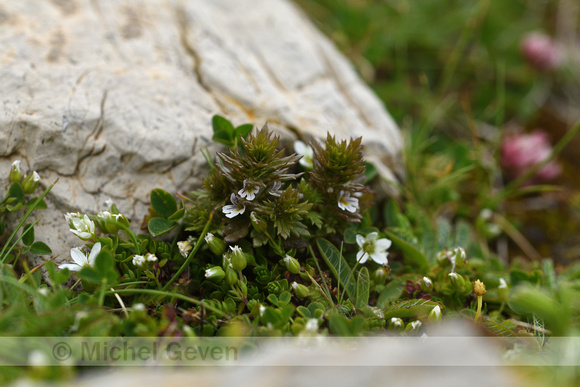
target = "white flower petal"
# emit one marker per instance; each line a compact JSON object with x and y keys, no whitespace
{"x":70,"y":266}
{"x":360,"y":240}
{"x":380,"y":258}
{"x":78,"y":256}
{"x":383,"y":244}
{"x":94,"y":252}
{"x":362,"y":257}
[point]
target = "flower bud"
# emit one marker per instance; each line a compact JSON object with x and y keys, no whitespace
{"x":300,"y":290}
{"x":426,"y":285}
{"x":479,"y":288}
{"x":30,"y":183}
{"x":238,"y":258}
{"x":502,"y":290}
{"x":396,"y":323}
{"x":292,"y":264}
{"x":184,"y":248}
{"x":108,"y":222}
{"x":413,"y":326}
{"x":435,"y":314}
{"x":231,"y":275}
{"x":456,"y":280}
{"x":380,"y":276}
{"x":258,"y":224}
{"x":215,"y":273}
{"x":15,"y":174}
{"x":216,"y":245}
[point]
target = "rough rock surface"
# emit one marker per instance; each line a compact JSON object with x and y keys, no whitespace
{"x":115,"y":97}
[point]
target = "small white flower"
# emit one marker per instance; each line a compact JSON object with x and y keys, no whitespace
{"x":262,"y":310}
{"x":209,"y":237}
{"x":427,"y":281}
{"x":107,"y":215}
{"x":435,"y":314}
{"x":416,"y":324}
{"x":16,"y":165}
{"x":80,"y":225}
{"x":397,"y":322}
{"x":184,"y":248}
{"x":346,"y":203}
{"x":311,"y":325}
{"x":502,"y":284}
{"x":109,"y":203}
{"x":275,"y":189}
{"x":234,"y":209}
{"x":306,"y":152}
{"x":139,"y":307}
{"x":80,"y":259}
{"x":139,"y":261}
{"x":151,"y":258}
{"x":373,"y":248}
{"x":35,"y":177}
{"x":249,"y":191}
{"x":43,"y":291}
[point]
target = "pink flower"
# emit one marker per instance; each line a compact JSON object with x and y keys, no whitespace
{"x":520,"y":152}
{"x":541,"y":51}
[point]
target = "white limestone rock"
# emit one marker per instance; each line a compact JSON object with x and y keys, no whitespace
{"x":115,"y":97}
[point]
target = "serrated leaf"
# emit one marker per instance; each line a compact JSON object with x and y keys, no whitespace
{"x":363,"y":284}
{"x":338,"y":266}
{"x":163,"y":202}
{"x":160,"y":226}
{"x":40,"y":248}
{"x":411,"y":253}
{"x":496,"y":329}
{"x":410,"y":308}
{"x":28,"y":235}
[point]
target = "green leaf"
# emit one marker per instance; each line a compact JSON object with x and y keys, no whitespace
{"x":177,"y":214}
{"x":411,"y":253}
{"x":28,"y":235}
{"x":160,"y":226}
{"x":90,"y":274}
{"x":16,"y":191}
{"x":284,"y":299}
{"x":338,"y":266}
{"x":35,"y":203}
{"x":223,"y":130}
{"x":40,"y":248}
{"x":410,"y":308}
{"x":363,"y":288}
{"x":394,"y":289}
{"x":243,"y":130}
{"x":163,"y":202}
{"x":527,"y":300}
{"x":496,"y":329}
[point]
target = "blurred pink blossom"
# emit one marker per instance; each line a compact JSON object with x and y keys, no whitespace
{"x":541,"y":51}
{"x":520,"y":152}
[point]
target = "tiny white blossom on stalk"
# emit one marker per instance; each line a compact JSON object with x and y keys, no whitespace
{"x":80,"y":225}
{"x":312,"y":325}
{"x":151,"y":258}
{"x":249,"y":191}
{"x":372,"y":247}
{"x":502,"y":284}
{"x":234,"y":209}
{"x":346,"y":203}
{"x":306,"y":152}
{"x":139,"y":261}
{"x":81,"y":260}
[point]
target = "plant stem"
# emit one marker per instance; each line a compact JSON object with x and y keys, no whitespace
{"x":191,"y":255}
{"x":167,"y":294}
{"x":479,"y":305}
